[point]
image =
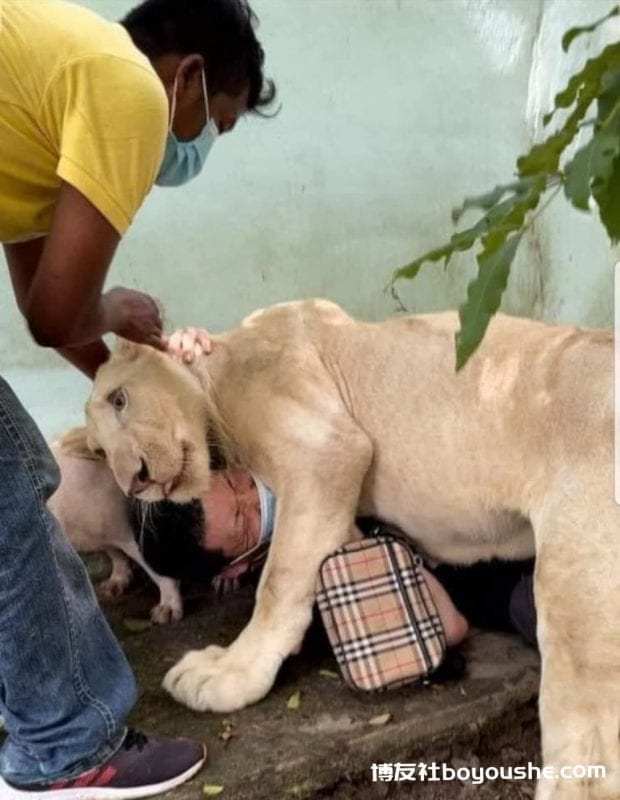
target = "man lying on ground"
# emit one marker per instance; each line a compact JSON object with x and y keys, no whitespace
{"x":233,"y":524}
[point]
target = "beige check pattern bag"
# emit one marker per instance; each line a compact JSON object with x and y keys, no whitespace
{"x":380,"y":618}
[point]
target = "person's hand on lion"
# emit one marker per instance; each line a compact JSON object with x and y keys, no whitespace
{"x":186,"y":344}
{"x":134,"y":316}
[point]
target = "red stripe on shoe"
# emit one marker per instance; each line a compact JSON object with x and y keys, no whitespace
{"x":86,"y":779}
{"x":106,"y":774}
{"x":100,"y":776}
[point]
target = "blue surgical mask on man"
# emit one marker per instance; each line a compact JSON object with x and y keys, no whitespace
{"x":267,"y":510}
{"x":184,"y":160}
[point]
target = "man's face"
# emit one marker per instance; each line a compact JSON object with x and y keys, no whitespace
{"x":232,"y":509}
{"x":190,"y":115}
{"x":226,"y":110}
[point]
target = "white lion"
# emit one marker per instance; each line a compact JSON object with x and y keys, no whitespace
{"x":513,"y":454}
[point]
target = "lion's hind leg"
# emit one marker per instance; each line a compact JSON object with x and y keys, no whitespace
{"x":577,"y":588}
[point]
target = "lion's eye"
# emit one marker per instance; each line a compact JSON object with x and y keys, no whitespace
{"x":118,"y":399}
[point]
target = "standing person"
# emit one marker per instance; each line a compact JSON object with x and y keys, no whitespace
{"x":92,"y":114}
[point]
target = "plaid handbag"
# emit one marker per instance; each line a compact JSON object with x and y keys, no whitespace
{"x":380,"y":618}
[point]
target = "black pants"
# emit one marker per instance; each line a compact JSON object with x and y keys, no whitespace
{"x":494,"y":594}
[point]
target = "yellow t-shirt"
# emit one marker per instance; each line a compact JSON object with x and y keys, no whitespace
{"x":79,"y":103}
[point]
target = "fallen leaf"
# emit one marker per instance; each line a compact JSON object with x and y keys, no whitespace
{"x":211,"y":790}
{"x":382,"y":719}
{"x":328,"y":673}
{"x":462,"y":691}
{"x":137,"y":625}
{"x":294,"y":701}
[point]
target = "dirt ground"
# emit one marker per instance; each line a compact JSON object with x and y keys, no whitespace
{"x":480,"y":712}
{"x":484,"y":717}
{"x":507,"y":744}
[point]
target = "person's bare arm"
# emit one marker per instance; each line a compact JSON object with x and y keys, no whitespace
{"x":60,"y":297}
{"x":454,"y":623}
{"x":23,"y":259}
{"x":58,"y":281}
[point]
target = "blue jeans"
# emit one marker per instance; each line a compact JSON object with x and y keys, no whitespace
{"x":65,"y":685}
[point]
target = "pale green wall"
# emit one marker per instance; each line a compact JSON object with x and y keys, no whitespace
{"x":392,"y":110}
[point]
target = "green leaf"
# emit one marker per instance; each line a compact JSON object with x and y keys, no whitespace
{"x":484,"y":293}
{"x":608,"y":95}
{"x":211,"y":790}
{"x":510,"y":214}
{"x":485,"y":201}
{"x":411,"y":270}
{"x":505,"y":216}
{"x":588,"y":78}
{"x":137,"y":625}
{"x":607,"y":195}
{"x":328,"y":673}
{"x":571,"y":34}
{"x":591,"y":166}
{"x":577,"y":178}
{"x":294,"y":701}
{"x":568,"y":95}
{"x":545,"y":157}
{"x":605,"y":149}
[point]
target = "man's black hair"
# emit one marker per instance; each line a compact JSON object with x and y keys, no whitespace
{"x":221,"y":31}
{"x":170,"y":535}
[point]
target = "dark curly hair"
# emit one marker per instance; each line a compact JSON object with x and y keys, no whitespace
{"x":169,"y":536}
{"x":221,"y":31}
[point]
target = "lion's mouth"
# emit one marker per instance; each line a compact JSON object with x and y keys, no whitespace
{"x":143,"y":485}
{"x":174,"y":484}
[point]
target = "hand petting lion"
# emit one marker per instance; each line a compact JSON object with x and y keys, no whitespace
{"x":510,"y":456}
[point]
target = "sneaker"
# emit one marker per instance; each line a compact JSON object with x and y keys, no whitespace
{"x":143,"y":766}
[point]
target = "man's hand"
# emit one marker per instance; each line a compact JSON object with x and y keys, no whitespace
{"x":133,"y":315}
{"x":186,"y":344}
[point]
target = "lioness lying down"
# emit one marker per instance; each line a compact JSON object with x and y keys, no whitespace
{"x":514,"y":454}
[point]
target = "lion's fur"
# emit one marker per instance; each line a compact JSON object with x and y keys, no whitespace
{"x":511,"y":455}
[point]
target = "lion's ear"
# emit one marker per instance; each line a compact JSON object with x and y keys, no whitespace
{"x":75,"y":443}
{"x":126,"y":349}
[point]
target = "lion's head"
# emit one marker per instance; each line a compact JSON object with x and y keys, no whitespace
{"x":148,"y":414}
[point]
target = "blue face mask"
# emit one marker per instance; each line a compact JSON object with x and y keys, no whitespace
{"x":267,"y":510}
{"x":184,"y":160}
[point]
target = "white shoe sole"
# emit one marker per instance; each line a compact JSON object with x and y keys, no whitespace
{"x":100,"y":792}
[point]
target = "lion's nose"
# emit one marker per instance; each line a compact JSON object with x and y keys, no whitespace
{"x":141,"y":480}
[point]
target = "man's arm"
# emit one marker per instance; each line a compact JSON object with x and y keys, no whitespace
{"x":58,"y":281}
{"x":62,"y":301}
{"x":23,"y":259}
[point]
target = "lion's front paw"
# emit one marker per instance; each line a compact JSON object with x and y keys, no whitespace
{"x":214,"y":680}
